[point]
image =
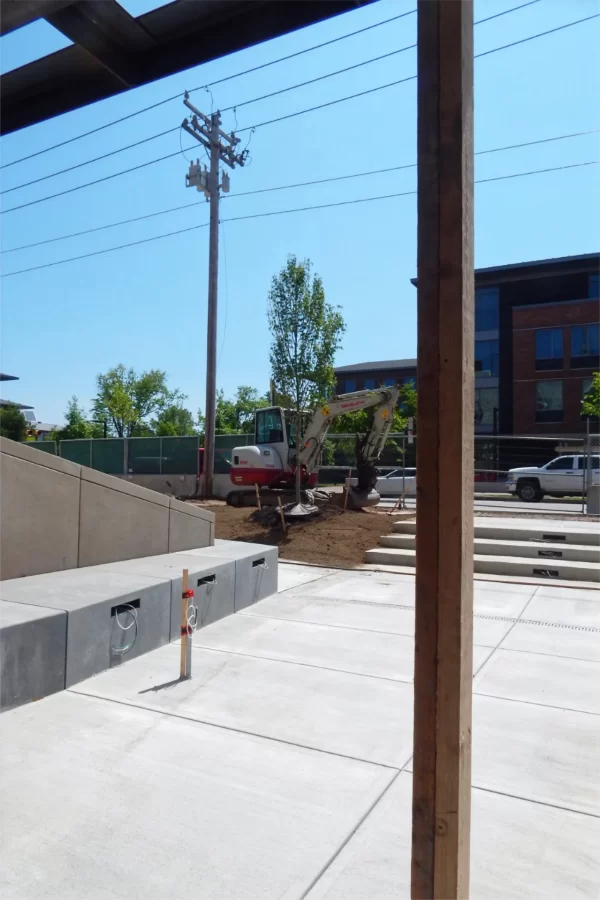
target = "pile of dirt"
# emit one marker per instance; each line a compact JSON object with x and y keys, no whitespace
{"x":334,"y":538}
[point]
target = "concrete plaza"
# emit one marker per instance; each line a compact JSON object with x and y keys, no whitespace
{"x":282,"y":768}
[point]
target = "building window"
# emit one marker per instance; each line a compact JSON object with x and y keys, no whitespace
{"x":594,"y":285}
{"x":349,"y":385}
{"x":389,"y":382}
{"x":585,"y":341}
{"x":549,"y":348}
{"x":486,"y":357}
{"x":586,"y":386}
{"x":486,"y":309}
{"x":269,"y":427}
{"x":486,"y":401}
{"x":549,"y":401}
{"x":369,"y":384}
{"x":410,"y":381}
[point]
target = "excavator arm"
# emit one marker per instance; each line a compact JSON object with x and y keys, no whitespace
{"x":316,"y":431}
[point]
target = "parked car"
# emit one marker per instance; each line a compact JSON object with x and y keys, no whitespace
{"x":561,"y":477}
{"x":394,"y":484}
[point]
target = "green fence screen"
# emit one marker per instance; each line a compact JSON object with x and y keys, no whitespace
{"x":104,"y":454}
{"x":224,"y":444}
{"x":45,"y":446}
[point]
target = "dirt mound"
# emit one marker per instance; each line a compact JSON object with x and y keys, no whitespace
{"x":334,"y":538}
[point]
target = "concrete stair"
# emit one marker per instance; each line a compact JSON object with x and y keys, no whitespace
{"x":512,"y":549}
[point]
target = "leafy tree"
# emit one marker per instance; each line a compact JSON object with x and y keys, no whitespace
{"x":306,"y":331}
{"x":13,"y":423}
{"x":77,"y":425}
{"x":590,"y":405}
{"x":237,"y":416}
{"x":127,"y":399}
{"x":174,"y":421}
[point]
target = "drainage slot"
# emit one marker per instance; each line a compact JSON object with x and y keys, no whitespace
{"x":546,"y":573}
{"x":554,"y":537}
{"x":123,"y":608}
{"x":259,"y":562}
{"x":551,"y":554}
{"x":208,"y":579}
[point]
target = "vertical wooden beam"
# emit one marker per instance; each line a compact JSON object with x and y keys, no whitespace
{"x":444,"y":580}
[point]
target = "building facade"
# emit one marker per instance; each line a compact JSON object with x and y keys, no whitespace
{"x":536,"y":347}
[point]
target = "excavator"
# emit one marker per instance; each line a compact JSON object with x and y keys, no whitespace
{"x":270,"y":464}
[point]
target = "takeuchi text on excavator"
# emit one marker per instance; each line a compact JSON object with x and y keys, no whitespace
{"x":272,"y":460}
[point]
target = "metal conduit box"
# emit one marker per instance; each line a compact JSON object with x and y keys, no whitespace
{"x":33,"y":644}
{"x":255,"y":569}
{"x":111,"y":616}
{"x":212,"y":580}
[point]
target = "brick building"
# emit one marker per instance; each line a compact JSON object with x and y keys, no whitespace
{"x":536,"y":347}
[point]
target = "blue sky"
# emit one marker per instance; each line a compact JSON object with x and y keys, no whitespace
{"x":146,"y":306}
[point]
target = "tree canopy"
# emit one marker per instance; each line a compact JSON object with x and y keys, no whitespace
{"x":590,"y":405}
{"x":128,"y":399}
{"x":306,"y":331}
{"x":13,"y":423}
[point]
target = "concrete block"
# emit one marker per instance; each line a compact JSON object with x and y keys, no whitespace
{"x":119,"y":524}
{"x":112,"y":617}
{"x":189,"y":526}
{"x":123,"y":486}
{"x":39,"y":513}
{"x":47,"y":461}
{"x":32,"y":653}
{"x":255,"y":569}
{"x":212,"y":580}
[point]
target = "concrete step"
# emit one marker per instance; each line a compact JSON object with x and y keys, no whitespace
{"x":555,"y":532}
{"x":541,"y":550}
{"x":568,"y":570}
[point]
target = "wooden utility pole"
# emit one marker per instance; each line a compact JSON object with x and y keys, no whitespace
{"x":222,"y":148}
{"x":444,"y":579}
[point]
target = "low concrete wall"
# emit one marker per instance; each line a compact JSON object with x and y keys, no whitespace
{"x":57,"y":515}
{"x":181,"y":486}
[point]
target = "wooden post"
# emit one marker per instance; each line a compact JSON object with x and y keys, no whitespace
{"x":257,"y":491}
{"x":283,"y":525}
{"x":444,"y":577}
{"x":185,"y":659}
{"x":347,"y":489}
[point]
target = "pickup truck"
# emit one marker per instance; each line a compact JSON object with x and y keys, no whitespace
{"x":561,"y":477}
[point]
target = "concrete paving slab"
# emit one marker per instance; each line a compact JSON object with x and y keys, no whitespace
{"x":124,"y":802}
{"x":537,"y":753}
{"x":356,"y":716}
{"x":256,"y":568}
{"x":519,"y":850}
{"x":574,"y":643}
{"x":534,"y":678}
{"x":393,"y":619}
{"x":370,"y":587}
{"x":291,"y":575}
{"x":343,"y":649}
{"x":578,"y":611}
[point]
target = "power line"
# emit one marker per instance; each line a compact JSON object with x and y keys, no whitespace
{"x":246,"y":103}
{"x":213,"y":84}
{"x":281,"y":212}
{"x":285,"y":117}
{"x":163,"y":212}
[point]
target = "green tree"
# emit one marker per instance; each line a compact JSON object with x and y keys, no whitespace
{"x":127,"y":399}
{"x":174,"y":421}
{"x":13,"y":423}
{"x":306,"y":331}
{"x":590,"y":405}
{"x":77,"y":425}
{"x":237,"y":416}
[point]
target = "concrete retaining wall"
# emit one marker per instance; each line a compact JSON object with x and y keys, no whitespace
{"x":57,"y":515}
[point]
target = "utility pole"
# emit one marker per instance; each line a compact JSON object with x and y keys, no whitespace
{"x":221,"y":148}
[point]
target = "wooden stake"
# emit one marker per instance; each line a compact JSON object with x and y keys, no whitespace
{"x":444,"y":576}
{"x":257,"y":489}
{"x":283,"y":523}
{"x":347,"y":489}
{"x":185,"y":659}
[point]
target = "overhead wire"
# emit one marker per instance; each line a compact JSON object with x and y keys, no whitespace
{"x":244,"y":103}
{"x":387,"y":169}
{"x":251,"y":128}
{"x":213,"y":84}
{"x":281,"y":212}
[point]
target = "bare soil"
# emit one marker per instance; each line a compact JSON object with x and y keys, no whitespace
{"x":336,"y":538}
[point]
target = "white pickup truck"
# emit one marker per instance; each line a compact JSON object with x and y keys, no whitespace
{"x":561,"y":477}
